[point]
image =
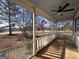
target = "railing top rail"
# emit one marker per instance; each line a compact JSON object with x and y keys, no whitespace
{"x":43,"y":35}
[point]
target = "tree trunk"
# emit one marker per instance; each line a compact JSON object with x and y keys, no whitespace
{"x":10,"y":29}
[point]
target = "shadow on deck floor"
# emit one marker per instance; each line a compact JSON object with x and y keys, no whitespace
{"x":58,"y":49}
{"x":52,"y":51}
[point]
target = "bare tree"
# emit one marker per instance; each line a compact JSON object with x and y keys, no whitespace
{"x":8,"y":12}
{"x":25,"y":21}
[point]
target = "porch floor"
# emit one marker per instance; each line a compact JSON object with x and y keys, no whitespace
{"x":61,"y":48}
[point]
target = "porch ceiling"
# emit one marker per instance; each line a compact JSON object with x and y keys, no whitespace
{"x":47,"y":5}
{"x":44,"y":7}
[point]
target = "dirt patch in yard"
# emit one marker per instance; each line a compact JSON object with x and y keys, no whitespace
{"x":7,"y":41}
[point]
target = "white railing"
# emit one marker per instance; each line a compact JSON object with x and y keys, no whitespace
{"x":25,"y":51}
{"x":44,"y":41}
{"x":21,"y":52}
{"x":76,"y":40}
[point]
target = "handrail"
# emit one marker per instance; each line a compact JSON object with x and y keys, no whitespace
{"x":42,"y":35}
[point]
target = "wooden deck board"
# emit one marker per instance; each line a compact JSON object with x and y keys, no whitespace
{"x":59,"y":49}
{"x":52,"y":51}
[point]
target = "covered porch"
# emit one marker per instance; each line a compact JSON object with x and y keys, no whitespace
{"x":56,"y":42}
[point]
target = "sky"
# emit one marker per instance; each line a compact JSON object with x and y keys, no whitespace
{"x":38,"y":20}
{"x":3,"y":23}
{"x":62,"y":24}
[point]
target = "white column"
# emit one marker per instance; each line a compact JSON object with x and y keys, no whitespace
{"x":74,"y":25}
{"x":56,"y":29}
{"x":34,"y":47}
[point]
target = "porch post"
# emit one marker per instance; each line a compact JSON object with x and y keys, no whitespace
{"x":34,"y":47}
{"x":74,"y":25}
{"x":56,"y":29}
